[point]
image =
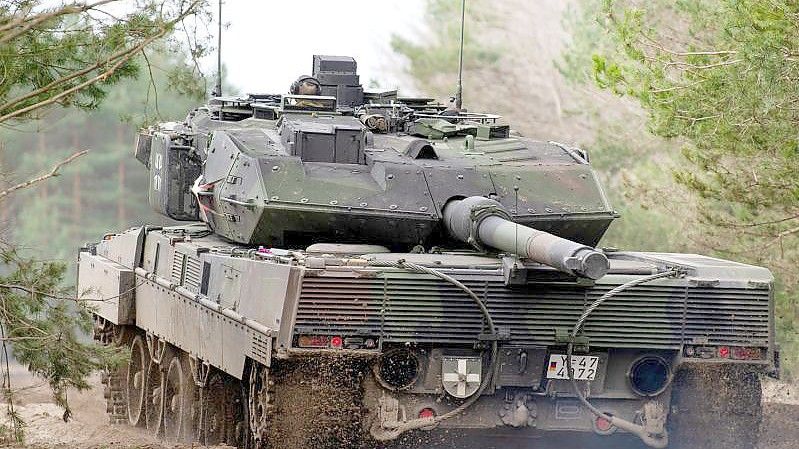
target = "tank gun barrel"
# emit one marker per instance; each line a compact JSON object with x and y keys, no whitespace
{"x":483,"y":222}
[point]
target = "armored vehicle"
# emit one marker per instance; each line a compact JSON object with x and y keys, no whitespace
{"x":357,"y":268}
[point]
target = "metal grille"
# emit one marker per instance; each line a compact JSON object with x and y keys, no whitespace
{"x":260,"y":349}
{"x":193,"y":274}
{"x":178,"y":262}
{"x":412,"y":308}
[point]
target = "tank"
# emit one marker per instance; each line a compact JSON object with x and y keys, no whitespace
{"x":360,"y":269}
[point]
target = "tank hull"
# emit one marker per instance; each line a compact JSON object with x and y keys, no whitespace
{"x":238,"y":314}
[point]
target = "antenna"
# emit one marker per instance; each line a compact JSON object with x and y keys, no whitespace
{"x":459,"y":92}
{"x":218,"y":89}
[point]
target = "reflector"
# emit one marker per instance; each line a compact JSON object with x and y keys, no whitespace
{"x":427,"y":413}
{"x":602,"y":424}
{"x":313,"y":341}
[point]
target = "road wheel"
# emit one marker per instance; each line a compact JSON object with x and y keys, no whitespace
{"x":179,"y":401}
{"x":715,"y":408}
{"x":135,"y":381}
{"x":154,"y":398}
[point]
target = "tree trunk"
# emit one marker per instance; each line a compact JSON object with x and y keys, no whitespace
{"x":122,"y":216}
{"x":41,"y":162}
{"x":5,"y":207}
{"x":77,"y":202}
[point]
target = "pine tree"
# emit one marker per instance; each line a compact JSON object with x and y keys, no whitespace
{"x":57,"y":57}
{"x":718,"y":79}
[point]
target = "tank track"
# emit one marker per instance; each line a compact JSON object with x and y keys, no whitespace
{"x":221,"y":412}
{"x":302,"y":403}
{"x":114,"y":380}
{"x":115,"y":396}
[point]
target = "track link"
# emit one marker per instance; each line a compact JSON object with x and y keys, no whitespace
{"x":114,"y":379}
{"x":115,"y":396}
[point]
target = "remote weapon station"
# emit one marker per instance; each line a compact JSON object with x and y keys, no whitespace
{"x":357,"y":267}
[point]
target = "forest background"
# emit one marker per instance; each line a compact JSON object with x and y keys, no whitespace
{"x":556,"y":70}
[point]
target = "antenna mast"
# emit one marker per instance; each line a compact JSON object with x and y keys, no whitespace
{"x":459,"y":92}
{"x":218,"y":89}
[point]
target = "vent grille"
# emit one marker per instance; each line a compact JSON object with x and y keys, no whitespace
{"x":261,"y":349}
{"x":178,"y":265}
{"x":426,"y":310}
{"x":193,"y":274}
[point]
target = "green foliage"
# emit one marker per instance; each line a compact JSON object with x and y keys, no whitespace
{"x":74,"y":56}
{"x":69,"y":55}
{"x":719,"y":79}
{"x":47,"y":328}
{"x":726,"y":85}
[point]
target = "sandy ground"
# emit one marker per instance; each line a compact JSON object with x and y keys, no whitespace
{"x":89,"y":428}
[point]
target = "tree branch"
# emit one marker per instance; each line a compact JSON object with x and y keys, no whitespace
{"x":701,"y":67}
{"x":654,"y":44}
{"x":65,"y":79}
{"x":126,"y":56}
{"x":26,"y":23}
{"x":38,"y":179}
{"x":33,"y":291}
{"x":779,"y":237}
{"x":761,"y":223}
{"x":152,"y":83}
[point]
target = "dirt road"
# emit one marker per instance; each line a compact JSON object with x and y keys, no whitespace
{"x":89,"y":428}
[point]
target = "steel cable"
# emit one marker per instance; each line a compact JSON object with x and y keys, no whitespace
{"x":425,"y":422}
{"x":636,"y":429}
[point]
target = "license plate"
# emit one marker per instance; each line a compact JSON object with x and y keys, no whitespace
{"x":584,"y":367}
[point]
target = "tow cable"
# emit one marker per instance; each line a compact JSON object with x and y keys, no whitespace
{"x":399,"y":427}
{"x":658,"y":441}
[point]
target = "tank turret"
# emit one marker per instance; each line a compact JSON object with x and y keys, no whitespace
{"x":341,"y":165}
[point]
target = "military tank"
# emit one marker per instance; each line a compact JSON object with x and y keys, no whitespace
{"x":359,"y":269}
